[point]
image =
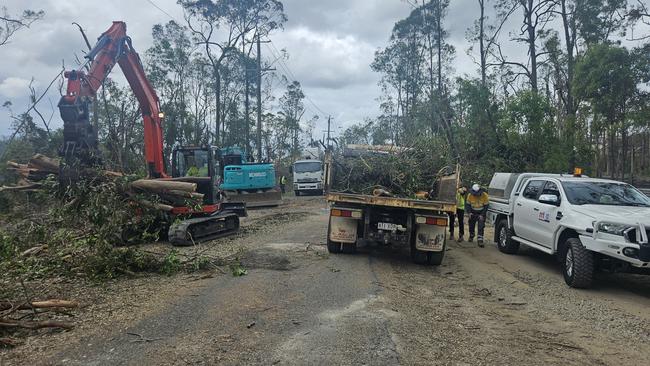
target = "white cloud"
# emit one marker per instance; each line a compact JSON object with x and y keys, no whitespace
{"x":327,"y":60}
{"x":13,"y":87}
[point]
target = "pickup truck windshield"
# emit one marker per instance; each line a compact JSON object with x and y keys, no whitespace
{"x":312,"y":166}
{"x":603,"y":193}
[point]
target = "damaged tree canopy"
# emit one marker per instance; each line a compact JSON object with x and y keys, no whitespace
{"x":400,"y":171}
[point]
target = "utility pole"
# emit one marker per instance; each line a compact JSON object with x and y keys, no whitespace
{"x":247,"y":121}
{"x":329,"y":122}
{"x":259,"y":99}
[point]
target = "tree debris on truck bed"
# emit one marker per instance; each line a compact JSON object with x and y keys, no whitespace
{"x":387,"y":170}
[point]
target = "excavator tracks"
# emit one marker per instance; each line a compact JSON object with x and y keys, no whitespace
{"x":192,"y":231}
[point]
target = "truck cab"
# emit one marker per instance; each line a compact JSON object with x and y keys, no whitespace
{"x":587,"y":223}
{"x":308,"y":177}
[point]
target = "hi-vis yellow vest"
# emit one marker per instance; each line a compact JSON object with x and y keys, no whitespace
{"x":477,"y":203}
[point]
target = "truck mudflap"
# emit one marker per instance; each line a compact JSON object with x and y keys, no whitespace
{"x":430,"y":234}
{"x":343,"y":225}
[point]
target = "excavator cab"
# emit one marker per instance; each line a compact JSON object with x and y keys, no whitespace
{"x":198,"y":165}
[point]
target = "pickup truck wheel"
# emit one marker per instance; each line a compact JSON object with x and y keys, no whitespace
{"x":578,"y":266}
{"x":504,"y":239}
{"x":333,"y":247}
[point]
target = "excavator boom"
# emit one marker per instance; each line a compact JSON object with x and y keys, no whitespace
{"x":80,"y":147}
{"x":80,"y":138}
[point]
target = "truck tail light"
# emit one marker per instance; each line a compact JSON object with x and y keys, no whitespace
{"x":431,"y":221}
{"x":345,"y":213}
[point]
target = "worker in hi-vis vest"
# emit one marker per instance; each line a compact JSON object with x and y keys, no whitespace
{"x":283,"y":182}
{"x":461,"y":193}
{"x":476,"y":206}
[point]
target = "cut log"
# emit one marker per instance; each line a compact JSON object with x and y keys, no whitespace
{"x":7,"y":323}
{"x":43,"y":163}
{"x":157,"y":206}
{"x":9,"y":342}
{"x":379,"y":192}
{"x":45,"y":304}
{"x":192,"y":195}
{"x":32,"y":251}
{"x":152,"y":185}
{"x":30,"y":187}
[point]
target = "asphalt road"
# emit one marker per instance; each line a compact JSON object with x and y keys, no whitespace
{"x":298,"y":305}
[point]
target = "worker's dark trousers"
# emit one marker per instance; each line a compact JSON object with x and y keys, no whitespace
{"x":282,"y":188}
{"x":473,"y":219}
{"x":461,"y":224}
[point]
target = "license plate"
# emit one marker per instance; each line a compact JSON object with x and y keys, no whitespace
{"x":386,"y":226}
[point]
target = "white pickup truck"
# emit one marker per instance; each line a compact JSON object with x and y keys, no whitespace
{"x":588,"y":223}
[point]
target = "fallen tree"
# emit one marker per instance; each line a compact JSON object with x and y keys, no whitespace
{"x":169,"y":192}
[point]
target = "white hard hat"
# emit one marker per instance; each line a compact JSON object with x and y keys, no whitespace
{"x":476,"y":187}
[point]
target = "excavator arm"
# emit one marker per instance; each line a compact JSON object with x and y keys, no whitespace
{"x":80,"y":138}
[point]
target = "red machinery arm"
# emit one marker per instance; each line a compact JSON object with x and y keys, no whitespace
{"x":112,"y":47}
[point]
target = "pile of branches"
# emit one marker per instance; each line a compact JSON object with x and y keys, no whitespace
{"x":84,"y":227}
{"x":402,"y":172}
{"x":169,"y":192}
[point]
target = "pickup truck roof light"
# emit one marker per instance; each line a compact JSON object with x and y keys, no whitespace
{"x":577,"y":172}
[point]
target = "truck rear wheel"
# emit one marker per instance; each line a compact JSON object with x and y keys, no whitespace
{"x":333,"y":247}
{"x":419,"y":256}
{"x":435,"y":258}
{"x":349,"y":248}
{"x":578,"y":266}
{"x":504,"y":238}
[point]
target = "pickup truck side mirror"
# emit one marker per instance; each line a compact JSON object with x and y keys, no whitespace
{"x":549,"y":199}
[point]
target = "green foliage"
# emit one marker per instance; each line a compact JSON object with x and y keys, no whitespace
{"x":7,"y":247}
{"x":238,"y":270}
{"x":171,"y":264}
{"x":402,"y":173}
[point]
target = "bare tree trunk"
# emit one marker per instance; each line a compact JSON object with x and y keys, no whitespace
{"x":532,"y":49}
{"x":217,"y":122}
{"x":481,"y":41}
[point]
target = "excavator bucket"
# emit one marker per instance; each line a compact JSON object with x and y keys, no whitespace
{"x":268,"y":198}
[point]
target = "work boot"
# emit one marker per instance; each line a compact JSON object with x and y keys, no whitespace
{"x":460,"y":239}
{"x":471,"y":239}
{"x":480,"y":242}
{"x":451,"y":236}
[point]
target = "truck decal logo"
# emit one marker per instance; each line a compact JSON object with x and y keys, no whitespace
{"x":544,"y":216}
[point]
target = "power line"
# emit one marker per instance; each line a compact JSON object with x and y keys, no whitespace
{"x":162,"y":10}
{"x":285,"y":66}
{"x":285,"y":69}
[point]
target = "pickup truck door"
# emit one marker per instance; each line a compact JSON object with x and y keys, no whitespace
{"x":548,"y":217}
{"x":525,"y":216}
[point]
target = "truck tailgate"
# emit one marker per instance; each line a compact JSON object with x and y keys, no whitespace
{"x":391,"y":202}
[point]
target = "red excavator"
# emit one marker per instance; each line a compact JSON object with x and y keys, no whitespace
{"x":80,"y":150}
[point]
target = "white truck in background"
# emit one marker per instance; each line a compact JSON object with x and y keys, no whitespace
{"x":589,"y":224}
{"x":308,"y":172}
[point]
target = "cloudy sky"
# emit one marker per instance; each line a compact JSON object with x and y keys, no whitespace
{"x":330,"y":44}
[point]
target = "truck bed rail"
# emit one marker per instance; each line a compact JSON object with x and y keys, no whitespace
{"x":392,"y":202}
